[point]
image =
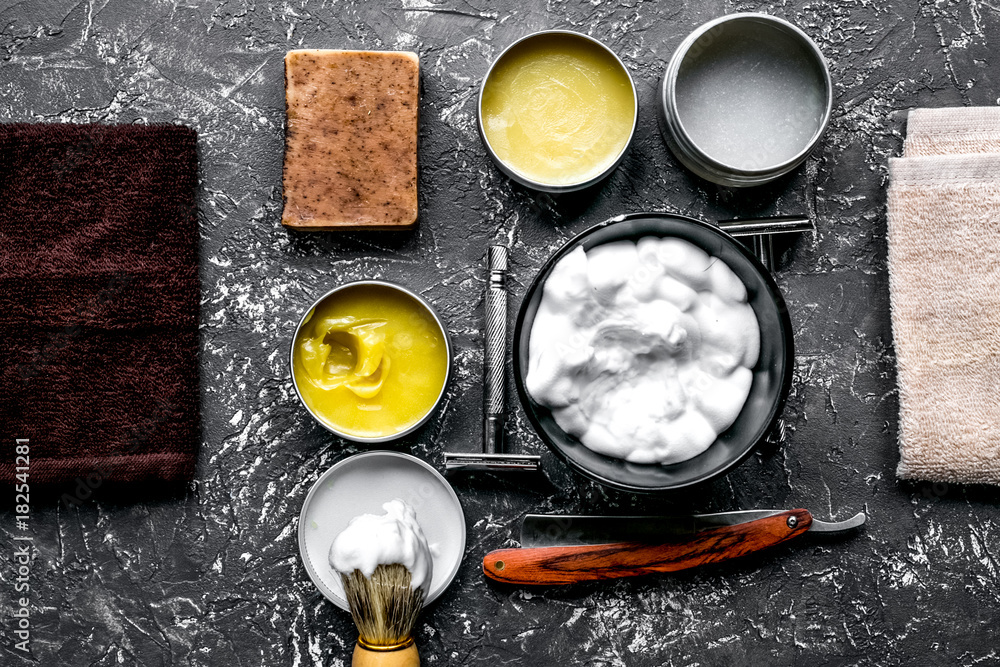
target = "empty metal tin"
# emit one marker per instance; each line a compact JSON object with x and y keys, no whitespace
{"x":509,"y":169}
{"x":744,"y":99}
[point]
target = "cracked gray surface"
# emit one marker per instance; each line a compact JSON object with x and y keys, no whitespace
{"x":211,"y":575}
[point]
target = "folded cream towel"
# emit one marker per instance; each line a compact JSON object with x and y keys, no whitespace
{"x":952,"y":131}
{"x":944,"y":277}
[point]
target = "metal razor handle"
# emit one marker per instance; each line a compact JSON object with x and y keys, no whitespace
{"x":495,"y":351}
{"x":492,"y":457}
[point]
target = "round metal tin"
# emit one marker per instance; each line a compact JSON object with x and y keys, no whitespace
{"x":745,"y":99}
{"x":360,"y":484}
{"x":409,"y":429}
{"x":561,"y":187}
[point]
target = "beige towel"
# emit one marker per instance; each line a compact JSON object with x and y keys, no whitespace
{"x":944,"y":278}
{"x":952,"y":131}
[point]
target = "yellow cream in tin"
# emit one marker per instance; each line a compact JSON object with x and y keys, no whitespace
{"x":558,"y":109}
{"x":370,"y":360}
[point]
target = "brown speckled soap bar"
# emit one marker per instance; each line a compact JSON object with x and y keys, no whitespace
{"x":351,"y":140}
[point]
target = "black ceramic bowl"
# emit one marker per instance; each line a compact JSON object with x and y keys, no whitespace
{"x":772,"y":376}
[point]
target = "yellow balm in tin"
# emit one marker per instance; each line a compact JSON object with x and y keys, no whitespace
{"x":558,"y":109}
{"x":370,"y":361}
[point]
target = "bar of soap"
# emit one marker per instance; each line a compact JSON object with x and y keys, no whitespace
{"x":351,"y":140}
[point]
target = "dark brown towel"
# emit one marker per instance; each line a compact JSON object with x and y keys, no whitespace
{"x":99,"y":302}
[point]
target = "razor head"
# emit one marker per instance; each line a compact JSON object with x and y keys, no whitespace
{"x":491,"y":462}
{"x":767,"y":226}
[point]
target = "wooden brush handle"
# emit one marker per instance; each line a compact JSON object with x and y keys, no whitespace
{"x":546,"y":566}
{"x":404,"y":657}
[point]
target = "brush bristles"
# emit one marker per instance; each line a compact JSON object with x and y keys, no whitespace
{"x":384,"y":606}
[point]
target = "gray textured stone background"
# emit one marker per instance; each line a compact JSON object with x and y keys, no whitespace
{"x":211,"y":575}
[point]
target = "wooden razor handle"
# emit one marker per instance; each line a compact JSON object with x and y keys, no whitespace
{"x":547,"y":566}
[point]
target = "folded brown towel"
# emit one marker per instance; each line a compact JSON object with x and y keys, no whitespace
{"x":99,"y":301}
{"x":944,"y":277}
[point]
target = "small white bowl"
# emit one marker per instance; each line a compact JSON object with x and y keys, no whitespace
{"x":360,"y":484}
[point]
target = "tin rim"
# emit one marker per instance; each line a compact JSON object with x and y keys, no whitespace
{"x":689,"y":152}
{"x":437,"y":401}
{"x":556,"y":187}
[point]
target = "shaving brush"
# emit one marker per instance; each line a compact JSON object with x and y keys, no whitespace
{"x":385,"y":607}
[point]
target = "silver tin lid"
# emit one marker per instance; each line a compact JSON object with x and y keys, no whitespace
{"x":744,"y":99}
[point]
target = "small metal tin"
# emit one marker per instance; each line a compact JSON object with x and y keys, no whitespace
{"x":562,"y":187}
{"x":744,"y":99}
{"x":410,"y":429}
